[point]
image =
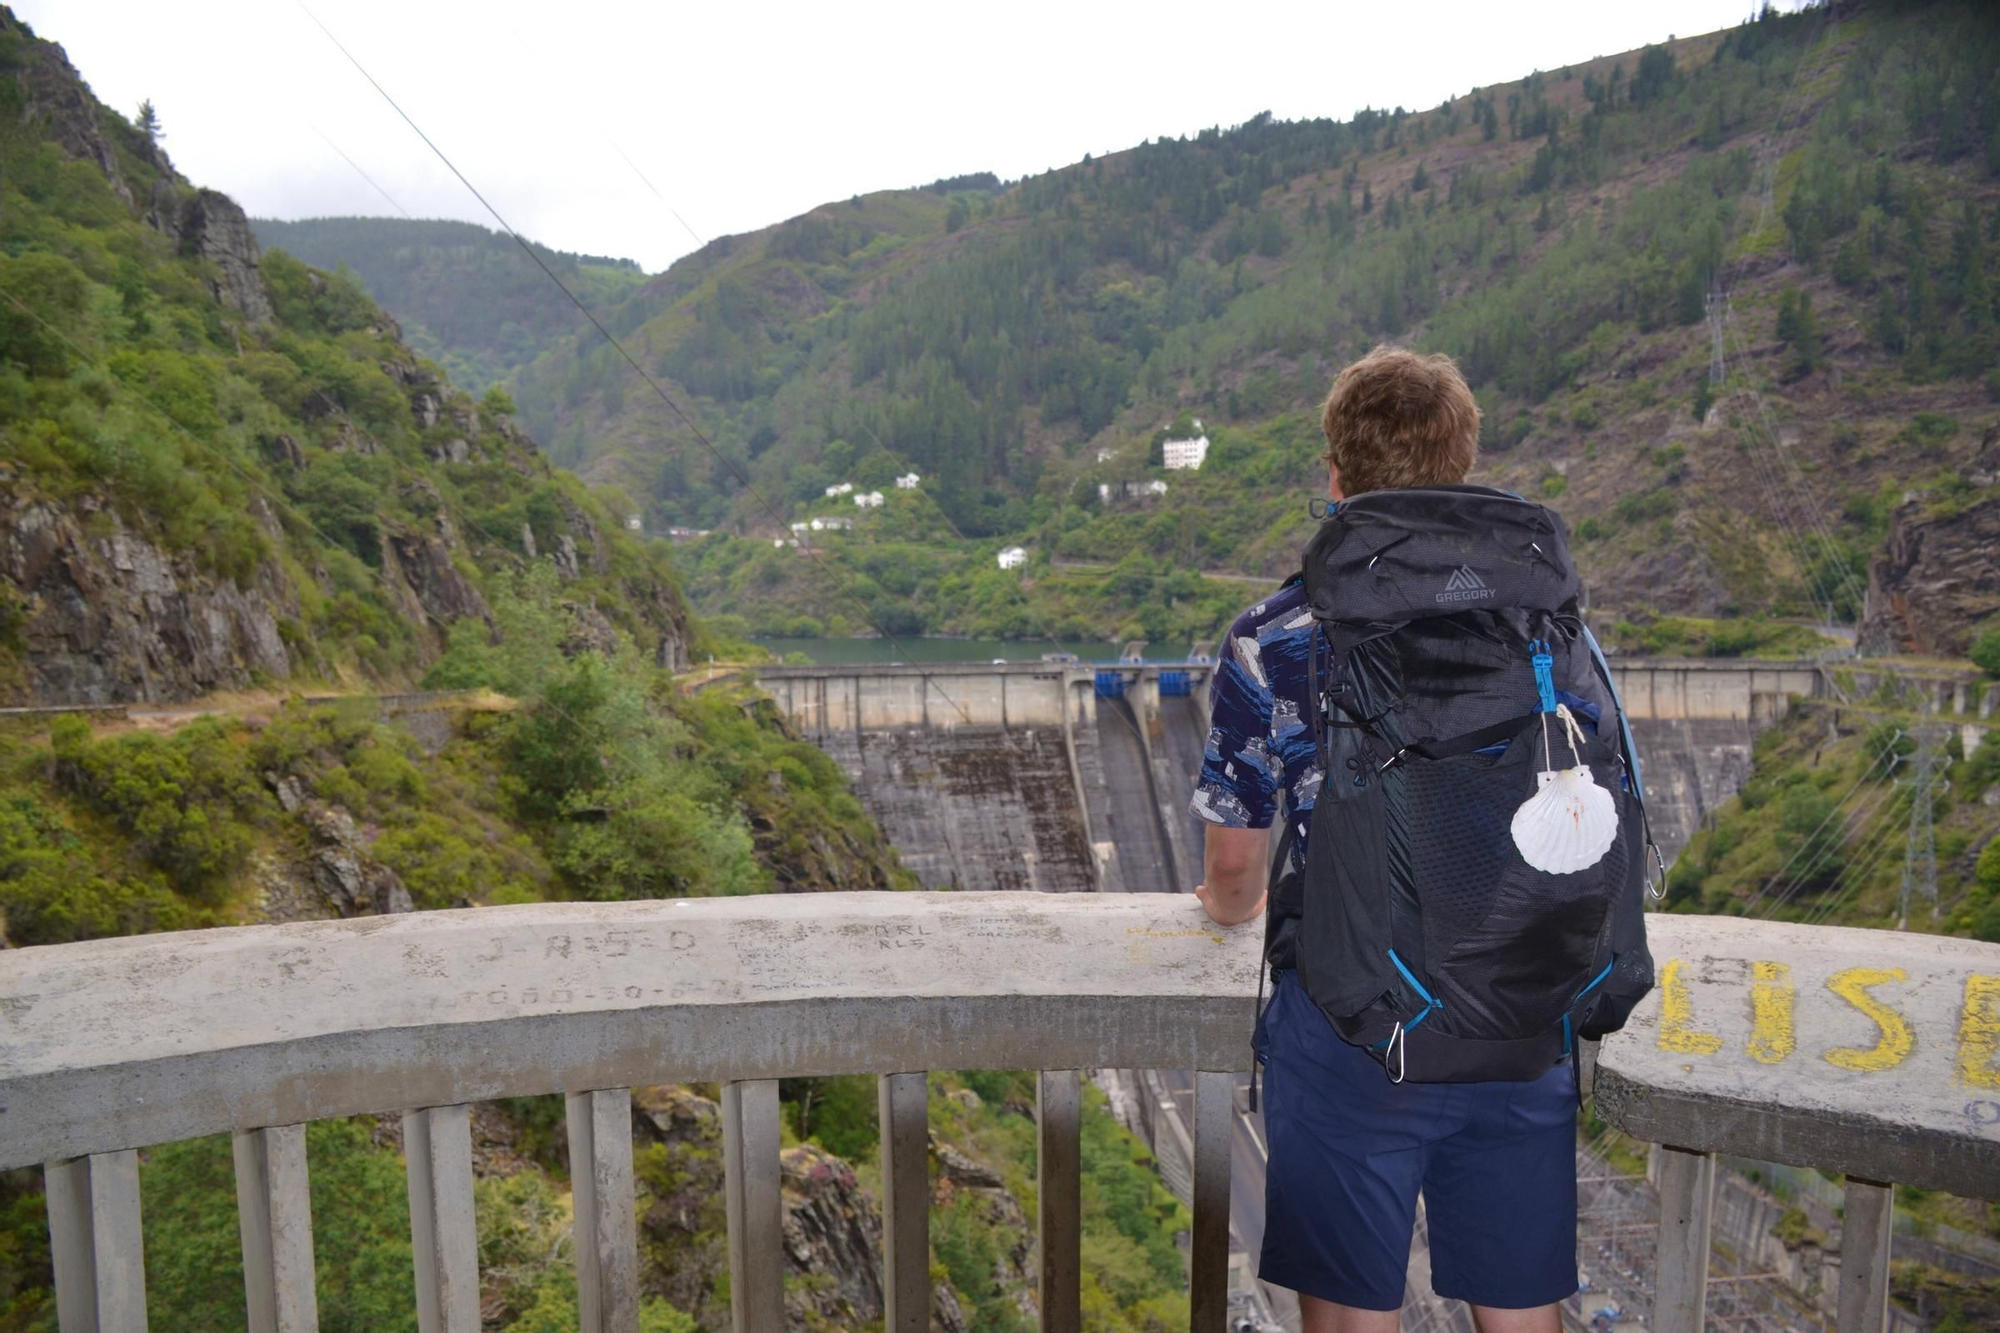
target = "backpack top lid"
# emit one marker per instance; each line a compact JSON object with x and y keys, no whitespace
{"x":1393,"y":556}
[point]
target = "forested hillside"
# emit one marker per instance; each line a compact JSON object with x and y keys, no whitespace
{"x":226,"y":473}
{"x":1828,"y":178}
{"x":467,"y":297}
{"x":226,"y":481}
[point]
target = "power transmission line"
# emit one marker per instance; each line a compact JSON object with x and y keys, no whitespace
{"x":694,"y":428}
{"x":358,"y":171}
{"x":657,"y":195}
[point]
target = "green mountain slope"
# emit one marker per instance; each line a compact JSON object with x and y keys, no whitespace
{"x":224,"y":470}
{"x":466,"y":297}
{"x":1834,"y":174}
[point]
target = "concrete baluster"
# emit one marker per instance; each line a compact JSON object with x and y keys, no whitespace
{"x":750,"y":1147}
{"x":1687,"y":1199}
{"x":903,"y":1101}
{"x":100,"y":1262}
{"x":607,"y":1242}
{"x":1059,"y":1161}
{"x":1864,"y":1256}
{"x":1208,"y":1279}
{"x":274,"y":1215}
{"x":437,"y":1157}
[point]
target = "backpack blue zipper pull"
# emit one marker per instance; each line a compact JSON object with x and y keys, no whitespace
{"x":1544,"y":668}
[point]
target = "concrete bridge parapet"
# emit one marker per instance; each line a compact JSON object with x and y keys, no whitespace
{"x":1869,"y":1052}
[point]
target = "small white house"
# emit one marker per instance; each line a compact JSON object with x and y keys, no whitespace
{"x":635,"y":524}
{"x":798,"y":528}
{"x":1104,"y":492}
{"x":843,"y":488}
{"x":872,"y":500}
{"x":1154,"y":488}
{"x":908,"y":481}
{"x":1013,"y":557}
{"x":1105,"y":455}
{"x":1188,"y":454}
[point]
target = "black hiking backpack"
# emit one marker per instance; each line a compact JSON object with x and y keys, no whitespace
{"x":1448,"y":636}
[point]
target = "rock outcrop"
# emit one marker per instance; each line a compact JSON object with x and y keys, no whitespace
{"x":1937,"y":581}
{"x":113,"y":618}
{"x":960,"y":1176}
{"x":211,"y":224}
{"x":833,"y":1230}
{"x":354,"y":882}
{"x":832,"y":1227}
{"x":51,"y":89}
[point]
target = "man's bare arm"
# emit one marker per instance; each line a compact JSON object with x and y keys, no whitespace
{"x":1233,"y":860}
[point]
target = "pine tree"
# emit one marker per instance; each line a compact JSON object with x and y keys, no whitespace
{"x":1888,"y":321}
{"x":1805,"y":339}
{"x":149,"y":122}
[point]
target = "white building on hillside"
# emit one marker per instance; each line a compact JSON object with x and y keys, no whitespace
{"x":1106,"y":454}
{"x":1013,"y":557}
{"x":842,"y":489}
{"x":872,"y":500}
{"x":635,"y":524}
{"x":1188,"y":454}
{"x":908,"y":481}
{"x":831,"y":524}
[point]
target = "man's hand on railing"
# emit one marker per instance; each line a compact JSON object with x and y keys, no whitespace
{"x":1230,"y":910}
{"x":1233,"y":865}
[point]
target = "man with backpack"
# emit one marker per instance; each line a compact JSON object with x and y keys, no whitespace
{"x":1458,"y":893}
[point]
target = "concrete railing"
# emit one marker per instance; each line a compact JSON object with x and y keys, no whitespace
{"x":113,"y":1046}
{"x":1870,"y":1053}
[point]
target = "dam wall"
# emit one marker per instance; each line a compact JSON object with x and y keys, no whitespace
{"x":1075,"y":778}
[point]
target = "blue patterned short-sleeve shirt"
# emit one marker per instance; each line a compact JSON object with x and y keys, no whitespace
{"x":1260,"y":762}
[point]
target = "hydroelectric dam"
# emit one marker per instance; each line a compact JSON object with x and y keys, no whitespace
{"x":1071,"y":778}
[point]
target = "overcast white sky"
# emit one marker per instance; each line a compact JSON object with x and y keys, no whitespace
{"x":744,"y":114}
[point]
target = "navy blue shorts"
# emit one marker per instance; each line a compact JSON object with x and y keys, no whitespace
{"x":1350,"y":1151}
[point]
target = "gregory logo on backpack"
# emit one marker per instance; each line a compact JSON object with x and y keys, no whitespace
{"x":1465,"y":586}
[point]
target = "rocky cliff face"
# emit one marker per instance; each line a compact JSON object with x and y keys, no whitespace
{"x":832,"y":1227}
{"x":100,"y":614}
{"x":1937,"y":583}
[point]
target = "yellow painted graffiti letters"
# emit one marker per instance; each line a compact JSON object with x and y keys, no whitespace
{"x":1852,"y":985}
{"x":1677,"y":1032}
{"x":1979,"y":1033}
{"x":1772,"y":1036}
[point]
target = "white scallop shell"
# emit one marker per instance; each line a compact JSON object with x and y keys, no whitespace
{"x":1568,"y":824}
